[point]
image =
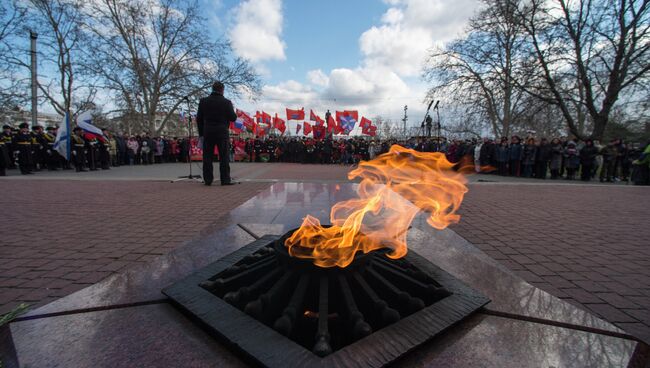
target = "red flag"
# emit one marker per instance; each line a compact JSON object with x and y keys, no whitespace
{"x":234,"y":128}
{"x":347,"y":113}
{"x":307,"y":128}
{"x":298,"y":128}
{"x":277,"y":122}
{"x":347,"y":120}
{"x":248,"y":121}
{"x":319,"y":132}
{"x":312,"y":116}
{"x":331,"y":125}
{"x":365,"y":123}
{"x":261,"y":130}
{"x":296,"y":114}
{"x":266,"y":118}
{"x":372,"y":131}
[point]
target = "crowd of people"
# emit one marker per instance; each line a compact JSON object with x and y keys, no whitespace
{"x":565,"y":158}
{"x":531,"y":158}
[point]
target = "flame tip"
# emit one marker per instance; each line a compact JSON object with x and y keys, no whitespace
{"x":394,"y":187}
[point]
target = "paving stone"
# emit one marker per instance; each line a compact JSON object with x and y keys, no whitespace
{"x":610,"y":313}
{"x":553,"y":235}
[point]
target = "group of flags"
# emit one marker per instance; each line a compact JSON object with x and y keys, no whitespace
{"x":343,"y":123}
{"x":84,"y":121}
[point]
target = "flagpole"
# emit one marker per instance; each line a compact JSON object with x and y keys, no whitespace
{"x":68,"y":133}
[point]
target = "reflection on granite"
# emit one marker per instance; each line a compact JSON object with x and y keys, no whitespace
{"x":509,"y":293}
{"x":289,"y":203}
{"x":146,"y":336}
{"x":143,"y":283}
{"x":488,"y":341}
{"x":158,"y":335}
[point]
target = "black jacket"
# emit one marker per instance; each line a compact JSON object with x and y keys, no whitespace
{"x":214,"y":115}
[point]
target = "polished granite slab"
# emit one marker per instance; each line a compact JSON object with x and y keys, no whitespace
{"x":125,"y":320}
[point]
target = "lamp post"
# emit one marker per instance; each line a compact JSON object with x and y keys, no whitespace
{"x":405,"y":119}
{"x":33,"y":36}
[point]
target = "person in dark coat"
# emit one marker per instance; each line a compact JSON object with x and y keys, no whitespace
{"x":78,"y":149}
{"x":5,"y":150}
{"x":22,"y":145}
{"x":39,"y":145}
{"x":557,"y":151}
{"x":572,"y":160}
{"x":213,"y":120}
{"x":502,"y":155}
{"x":542,"y":157}
{"x":516,"y":154}
{"x":530,"y":154}
{"x":610,"y":155}
{"x":485,"y":153}
{"x":588,"y":155}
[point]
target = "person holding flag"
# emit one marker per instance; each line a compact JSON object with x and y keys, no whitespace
{"x":77,"y":150}
{"x":62,"y":142}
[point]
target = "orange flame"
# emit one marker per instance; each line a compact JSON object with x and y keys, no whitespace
{"x":394,"y":187}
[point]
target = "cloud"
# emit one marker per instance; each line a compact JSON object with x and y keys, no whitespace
{"x":317,"y":77}
{"x":387,"y":77}
{"x":409,"y":29}
{"x":256,"y":34}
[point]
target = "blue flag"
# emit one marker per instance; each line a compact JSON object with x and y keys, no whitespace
{"x":62,"y":140}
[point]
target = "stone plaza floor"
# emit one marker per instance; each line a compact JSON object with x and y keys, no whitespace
{"x":588,"y":244}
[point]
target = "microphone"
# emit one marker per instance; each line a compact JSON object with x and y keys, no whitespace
{"x":437,"y":102}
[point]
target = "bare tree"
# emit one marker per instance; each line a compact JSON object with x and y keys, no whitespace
{"x":589,"y":53}
{"x":482,"y":70}
{"x":153,"y":54}
{"x":12,"y":90}
{"x":61,"y":47}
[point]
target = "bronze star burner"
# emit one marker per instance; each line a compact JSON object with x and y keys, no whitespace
{"x":283,"y":311}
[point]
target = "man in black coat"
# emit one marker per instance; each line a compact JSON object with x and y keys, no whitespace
{"x":213,"y":120}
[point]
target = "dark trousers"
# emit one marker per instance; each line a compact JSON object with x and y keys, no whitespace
{"x":222,"y":143}
{"x":586,"y":172}
{"x":515,"y":167}
{"x":541,"y":168}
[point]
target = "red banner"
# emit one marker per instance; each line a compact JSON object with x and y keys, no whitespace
{"x":196,"y":152}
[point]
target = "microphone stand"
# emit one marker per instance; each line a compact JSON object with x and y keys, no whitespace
{"x":438,"y":114}
{"x":426,"y":114}
{"x":189,"y":147}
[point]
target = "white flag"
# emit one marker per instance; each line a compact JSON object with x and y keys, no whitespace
{"x":62,"y":141}
{"x":84,"y":121}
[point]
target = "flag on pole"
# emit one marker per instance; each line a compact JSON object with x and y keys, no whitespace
{"x":319,"y":132}
{"x":347,"y":120}
{"x":279,"y":124}
{"x":84,"y":121}
{"x":306,"y":128}
{"x":365,"y":123}
{"x":372,"y":130}
{"x":312,"y":116}
{"x":246,"y":120}
{"x":298,"y":129}
{"x":296,"y":114}
{"x":62,"y":140}
{"x":266,"y":118}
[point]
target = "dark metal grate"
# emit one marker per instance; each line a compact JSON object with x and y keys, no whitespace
{"x":324,"y":309}
{"x":284,"y":311}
